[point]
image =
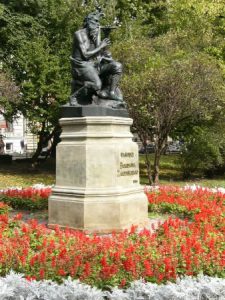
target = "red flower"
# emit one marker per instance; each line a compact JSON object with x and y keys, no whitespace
{"x":30,"y":278}
{"x":61,"y":272}
{"x":148,"y":268}
{"x":123,"y":282}
{"x":42,"y":273}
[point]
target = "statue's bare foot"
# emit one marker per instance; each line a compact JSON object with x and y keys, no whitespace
{"x":110,"y":95}
{"x":103,"y":95}
{"x":119,"y":105}
{"x":114,"y":96}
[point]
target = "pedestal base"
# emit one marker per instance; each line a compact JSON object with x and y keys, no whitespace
{"x":102,"y":213}
{"x":97,"y":177}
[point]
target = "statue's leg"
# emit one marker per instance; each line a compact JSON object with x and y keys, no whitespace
{"x":113,"y":71}
{"x":88,"y":81}
{"x":96,"y":86}
{"x":76,"y":88}
{"x":74,"y":96}
{"x":91,"y":78}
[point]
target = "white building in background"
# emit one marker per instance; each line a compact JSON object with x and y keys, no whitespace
{"x":17,"y":137}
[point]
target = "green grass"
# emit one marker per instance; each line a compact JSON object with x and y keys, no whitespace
{"x":169,"y":168}
{"x":21,"y":174}
{"x":156,"y":215}
{"x":171,"y":174}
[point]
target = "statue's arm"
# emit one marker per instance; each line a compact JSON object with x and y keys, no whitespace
{"x":89,"y":53}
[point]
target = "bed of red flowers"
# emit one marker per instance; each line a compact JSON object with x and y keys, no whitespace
{"x":30,"y":198}
{"x":188,"y":246}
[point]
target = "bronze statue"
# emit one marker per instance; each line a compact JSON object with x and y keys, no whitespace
{"x":95,"y":75}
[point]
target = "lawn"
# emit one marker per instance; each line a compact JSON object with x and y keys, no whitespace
{"x":21,"y":174}
{"x":171,"y":174}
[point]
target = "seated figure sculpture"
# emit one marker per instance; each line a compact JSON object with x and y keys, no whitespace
{"x":94,"y":72}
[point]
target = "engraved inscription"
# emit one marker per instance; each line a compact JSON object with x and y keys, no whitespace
{"x":127,"y":154}
{"x":128,"y":165}
{"x":125,"y":166}
{"x":129,"y":173}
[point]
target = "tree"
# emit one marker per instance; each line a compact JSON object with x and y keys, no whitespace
{"x":168,"y":86}
{"x":188,"y":90}
{"x":36,"y":39}
{"x":171,"y":69}
{"x":35,"y":47}
{"x":163,"y":41}
{"x":204,"y":150}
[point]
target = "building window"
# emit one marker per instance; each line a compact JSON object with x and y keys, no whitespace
{"x":9,"y":146}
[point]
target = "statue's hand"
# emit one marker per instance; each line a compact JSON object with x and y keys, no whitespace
{"x":107,"y":53}
{"x":105,"y":43}
{"x":106,"y":56}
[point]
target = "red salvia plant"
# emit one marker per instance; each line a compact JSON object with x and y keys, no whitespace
{"x":27,"y":198}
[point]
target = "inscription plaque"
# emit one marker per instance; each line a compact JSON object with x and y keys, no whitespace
{"x":128,"y":165}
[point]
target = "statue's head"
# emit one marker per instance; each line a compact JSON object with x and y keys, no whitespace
{"x":91,"y":22}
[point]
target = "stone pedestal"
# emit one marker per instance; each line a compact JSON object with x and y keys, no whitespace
{"x":97,"y":176}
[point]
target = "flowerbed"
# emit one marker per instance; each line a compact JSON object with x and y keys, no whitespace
{"x":31,"y":198}
{"x":187,"y":202}
{"x":178,"y":247}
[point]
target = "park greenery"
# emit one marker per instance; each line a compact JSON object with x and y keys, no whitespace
{"x":173,"y":55}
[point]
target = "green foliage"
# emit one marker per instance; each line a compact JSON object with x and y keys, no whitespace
{"x":35,"y":45}
{"x":36,"y":39}
{"x":4,"y":208}
{"x":174,"y":83}
{"x":204,"y":150}
{"x":9,"y":96}
{"x":167,"y":86}
{"x":39,"y":203}
{"x":170,"y":82}
{"x":172,"y":208}
{"x":43,"y":86}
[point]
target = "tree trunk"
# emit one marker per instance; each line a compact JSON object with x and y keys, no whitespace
{"x":159,"y":146}
{"x":148,"y":168}
{"x":39,"y":145}
{"x":56,"y":140}
{"x":147,"y":160}
{"x":156,"y":166}
{"x":43,"y":138}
